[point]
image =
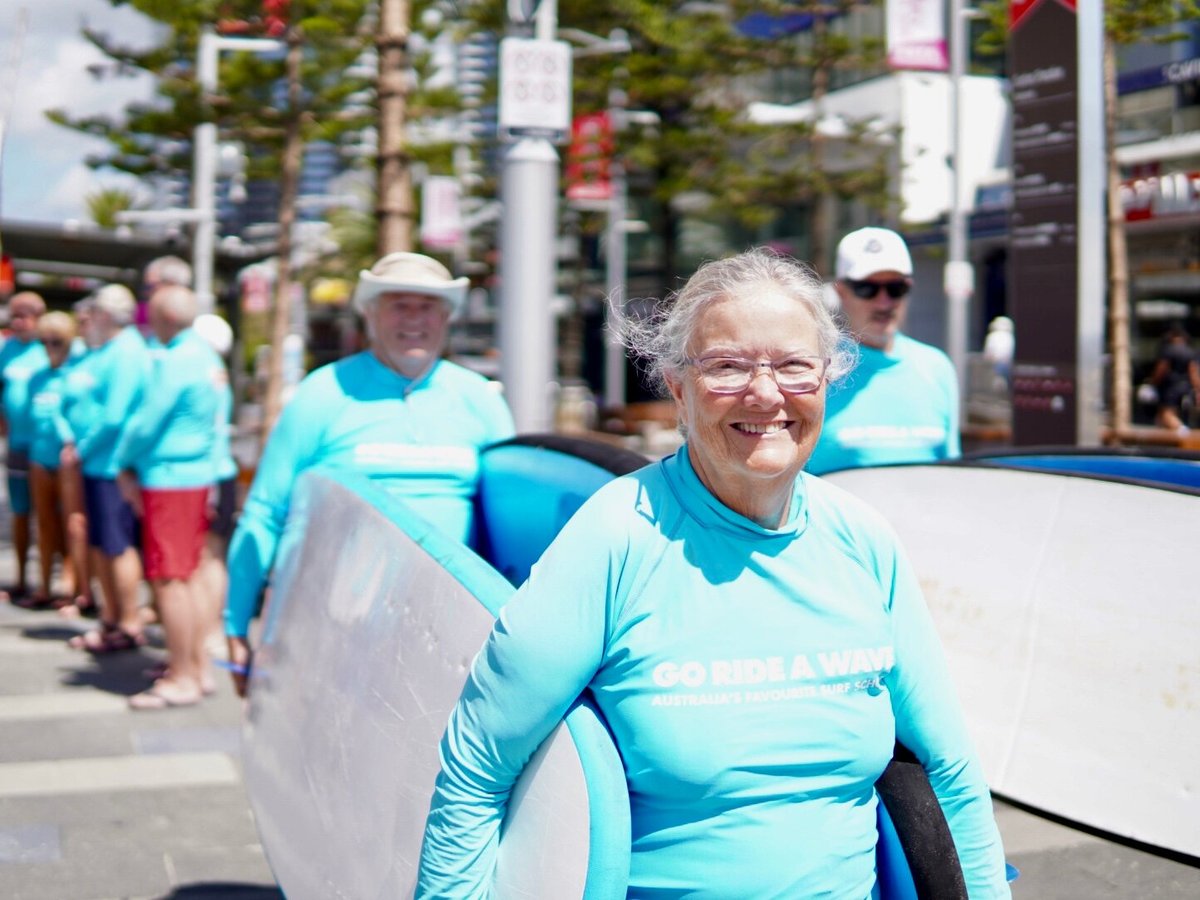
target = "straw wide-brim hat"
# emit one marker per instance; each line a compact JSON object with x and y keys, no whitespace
{"x":410,"y":273}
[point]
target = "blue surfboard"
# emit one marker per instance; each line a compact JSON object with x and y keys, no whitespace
{"x":373,"y":622}
{"x":1141,"y":467}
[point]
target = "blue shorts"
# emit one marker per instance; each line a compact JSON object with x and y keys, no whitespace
{"x":19,"y":501}
{"x":222,"y":524}
{"x":112,"y":526}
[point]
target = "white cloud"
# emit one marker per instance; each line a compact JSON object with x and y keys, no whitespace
{"x":44,"y":178}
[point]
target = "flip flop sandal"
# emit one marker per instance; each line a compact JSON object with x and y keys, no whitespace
{"x":155,"y":672}
{"x":13,"y":593}
{"x":208,"y":685}
{"x":42,"y":601}
{"x":107,"y":639}
{"x":154,"y":698}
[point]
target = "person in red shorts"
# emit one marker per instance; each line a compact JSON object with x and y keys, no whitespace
{"x":166,"y":458}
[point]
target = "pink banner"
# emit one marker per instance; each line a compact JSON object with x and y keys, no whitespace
{"x":916,"y":35}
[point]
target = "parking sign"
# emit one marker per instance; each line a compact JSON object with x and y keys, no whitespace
{"x":535,"y":88}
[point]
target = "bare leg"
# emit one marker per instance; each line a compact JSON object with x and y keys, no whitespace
{"x":20,"y":539}
{"x":43,"y":485}
{"x":127,"y":578}
{"x":212,"y":581}
{"x":102,"y":565}
{"x":71,"y":491}
{"x":180,"y":621}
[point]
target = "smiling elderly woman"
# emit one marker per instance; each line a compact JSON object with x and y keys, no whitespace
{"x":753,"y":635}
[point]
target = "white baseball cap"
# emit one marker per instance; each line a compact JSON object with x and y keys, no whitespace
{"x":864,"y":252}
{"x":410,"y":273}
{"x":215,"y":331}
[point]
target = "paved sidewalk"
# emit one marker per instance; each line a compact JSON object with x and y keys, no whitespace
{"x":99,"y":802}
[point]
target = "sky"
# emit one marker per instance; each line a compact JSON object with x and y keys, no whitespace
{"x":45,"y":177}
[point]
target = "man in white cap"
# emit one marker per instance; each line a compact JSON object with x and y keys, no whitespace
{"x":900,"y":403}
{"x":397,"y":412}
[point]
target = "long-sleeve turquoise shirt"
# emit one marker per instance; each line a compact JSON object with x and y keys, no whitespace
{"x":754,"y":680}
{"x":169,"y":440}
{"x":50,"y":429}
{"x":106,"y":388}
{"x":19,"y":361}
{"x":420,"y":439}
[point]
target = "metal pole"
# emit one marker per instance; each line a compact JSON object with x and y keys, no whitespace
{"x":528,"y":236}
{"x":615,"y":274}
{"x":959,"y":276}
{"x":204,"y":177}
{"x":1092,"y":259}
{"x":529,"y":192}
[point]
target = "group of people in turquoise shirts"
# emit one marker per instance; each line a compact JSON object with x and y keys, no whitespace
{"x":127,"y":438}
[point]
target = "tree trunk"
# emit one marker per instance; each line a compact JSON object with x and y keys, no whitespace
{"x":1118,"y":257}
{"x":394,"y":202}
{"x":289,"y":181}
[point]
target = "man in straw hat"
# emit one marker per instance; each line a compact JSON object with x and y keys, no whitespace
{"x":396,"y":411}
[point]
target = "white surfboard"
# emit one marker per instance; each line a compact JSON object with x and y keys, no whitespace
{"x":361,"y":660}
{"x":1069,"y":608}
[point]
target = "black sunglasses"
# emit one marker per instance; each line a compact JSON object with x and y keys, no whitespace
{"x":54,"y":342}
{"x":867,"y":290}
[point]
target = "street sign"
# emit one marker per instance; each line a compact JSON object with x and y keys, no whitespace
{"x":1056,"y":241}
{"x":535,"y":88}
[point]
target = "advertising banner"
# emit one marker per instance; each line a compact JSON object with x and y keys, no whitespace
{"x":441,"y":216}
{"x":589,"y":158}
{"x":916,"y":35}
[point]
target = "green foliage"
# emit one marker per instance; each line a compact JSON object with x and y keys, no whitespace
{"x":152,"y":137}
{"x":104,"y":204}
{"x":692,"y":67}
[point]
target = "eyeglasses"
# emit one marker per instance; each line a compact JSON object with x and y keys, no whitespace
{"x":869,"y":290}
{"x":732,"y":375}
{"x":54,"y":343}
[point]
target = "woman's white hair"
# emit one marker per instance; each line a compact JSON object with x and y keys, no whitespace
{"x":662,"y":339}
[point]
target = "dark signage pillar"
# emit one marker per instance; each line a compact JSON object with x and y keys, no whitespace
{"x":1056,"y":299}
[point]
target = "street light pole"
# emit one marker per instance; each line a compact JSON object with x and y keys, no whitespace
{"x":528,"y":230}
{"x":204,"y":159}
{"x":615,"y":271}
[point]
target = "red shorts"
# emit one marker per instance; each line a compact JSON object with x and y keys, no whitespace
{"x":174,"y":523}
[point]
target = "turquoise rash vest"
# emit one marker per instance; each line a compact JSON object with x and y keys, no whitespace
{"x":19,"y":362}
{"x":896,"y":406}
{"x":169,"y":440}
{"x":105,"y":389}
{"x":754,"y":680}
{"x":49,"y":427}
{"x":420,"y":440}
